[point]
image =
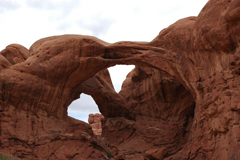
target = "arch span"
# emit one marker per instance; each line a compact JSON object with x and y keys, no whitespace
{"x":58,"y":66}
{"x":201,"y":56}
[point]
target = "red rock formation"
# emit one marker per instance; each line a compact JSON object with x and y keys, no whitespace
{"x":36,"y":133}
{"x":180,"y":102}
{"x":95,"y":121}
{"x":164,"y":112}
{"x":15,"y":53}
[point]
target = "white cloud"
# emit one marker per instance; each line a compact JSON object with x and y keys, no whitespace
{"x":65,"y":6}
{"x":82,"y":107}
{"x":118,"y":74}
{"x":108,"y":20}
{"x":43,"y":4}
{"x":79,"y":115}
{"x":84,"y":104}
{"x":25,"y":21}
{"x":97,"y":25}
{"x":8,"y":5}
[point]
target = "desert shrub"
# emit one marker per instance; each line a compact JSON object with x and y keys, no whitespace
{"x":109,"y":154}
{"x":5,"y":156}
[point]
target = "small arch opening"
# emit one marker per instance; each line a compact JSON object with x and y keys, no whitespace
{"x":82,"y":107}
{"x":118,"y":74}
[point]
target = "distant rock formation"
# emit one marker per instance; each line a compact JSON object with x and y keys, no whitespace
{"x":180,"y":102}
{"x":95,"y":121}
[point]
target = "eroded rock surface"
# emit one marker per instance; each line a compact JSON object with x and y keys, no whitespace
{"x":95,"y":121}
{"x":164,"y":112}
{"x":180,"y":102}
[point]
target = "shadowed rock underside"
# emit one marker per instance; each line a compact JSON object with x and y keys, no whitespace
{"x":181,"y":101}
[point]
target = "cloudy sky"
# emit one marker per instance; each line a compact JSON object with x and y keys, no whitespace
{"x":26,"y":21}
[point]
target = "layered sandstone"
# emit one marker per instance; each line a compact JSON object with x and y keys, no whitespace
{"x":180,"y":102}
{"x":164,"y":112}
{"x":95,"y":121}
{"x":31,"y":133}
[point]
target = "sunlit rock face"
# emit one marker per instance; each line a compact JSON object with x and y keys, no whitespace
{"x":180,"y":102}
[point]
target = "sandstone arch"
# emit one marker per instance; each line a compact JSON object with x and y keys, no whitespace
{"x":53,"y":70}
{"x":59,"y":67}
{"x":200,"y":53}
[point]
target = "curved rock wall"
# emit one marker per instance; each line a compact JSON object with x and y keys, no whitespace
{"x":156,"y":94}
{"x":180,"y":102}
{"x":164,"y":112}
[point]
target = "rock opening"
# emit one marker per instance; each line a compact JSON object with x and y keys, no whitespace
{"x":193,"y":63}
{"x":85,"y":105}
{"x":118,"y":74}
{"x":82,"y":107}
